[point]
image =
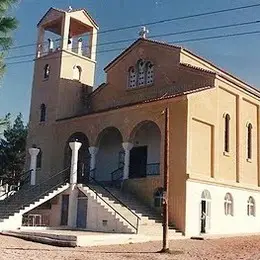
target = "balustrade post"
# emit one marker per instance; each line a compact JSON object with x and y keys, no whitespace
{"x":75,"y":146}
{"x":127,"y":147}
{"x":33,"y":153}
{"x":93,"y":152}
{"x":80,"y":46}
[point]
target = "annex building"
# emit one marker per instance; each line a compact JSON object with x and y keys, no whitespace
{"x":96,"y":154}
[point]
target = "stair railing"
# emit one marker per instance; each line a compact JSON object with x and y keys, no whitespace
{"x":135,"y":226}
{"x":64,"y":178}
{"x":153,"y":169}
{"x":24,"y":177}
{"x":117,"y":174}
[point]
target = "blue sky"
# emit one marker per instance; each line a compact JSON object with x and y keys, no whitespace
{"x":239,"y":55}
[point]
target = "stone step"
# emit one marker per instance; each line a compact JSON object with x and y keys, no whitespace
{"x":150,"y":222}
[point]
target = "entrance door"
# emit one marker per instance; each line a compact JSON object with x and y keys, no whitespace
{"x":64,"y":210}
{"x":82,"y":212}
{"x":205,"y":216}
{"x":138,"y":162}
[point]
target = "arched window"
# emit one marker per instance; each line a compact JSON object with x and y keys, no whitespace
{"x":43,"y":113}
{"x":132,"y":77}
{"x":228,"y":205}
{"x":46,"y":71}
{"x":249,"y":141}
{"x":205,"y":195}
{"x":141,"y":72}
{"x":251,"y":207}
{"x":39,"y":159}
{"x":158,"y":198}
{"x":149,"y":73}
{"x":77,"y":72}
{"x":227,"y":133}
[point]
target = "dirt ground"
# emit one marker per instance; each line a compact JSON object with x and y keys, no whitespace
{"x":227,"y":248}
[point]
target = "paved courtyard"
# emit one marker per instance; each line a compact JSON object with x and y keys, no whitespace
{"x":227,"y":248}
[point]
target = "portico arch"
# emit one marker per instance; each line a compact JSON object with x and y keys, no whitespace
{"x":109,"y":157}
{"x":146,"y":151}
{"x":83,"y":157}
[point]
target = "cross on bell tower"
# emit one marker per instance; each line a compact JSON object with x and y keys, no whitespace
{"x":143,"y":33}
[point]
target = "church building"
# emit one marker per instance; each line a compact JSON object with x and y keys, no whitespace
{"x":96,"y":154}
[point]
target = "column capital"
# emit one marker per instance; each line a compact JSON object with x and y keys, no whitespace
{"x":93,"y":150}
{"x":75,"y":145}
{"x":127,"y":146}
{"x":34,"y":151}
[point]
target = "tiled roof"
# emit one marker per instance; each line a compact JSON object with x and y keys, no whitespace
{"x":136,"y":42}
{"x":73,"y":10}
{"x":163,"y":97}
{"x":197,"y":68}
{"x":222,"y":73}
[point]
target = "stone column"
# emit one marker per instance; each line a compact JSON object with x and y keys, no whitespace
{"x":93,"y":44}
{"x":50,"y":45}
{"x":40,"y":41}
{"x":70,"y":43}
{"x":127,"y":147}
{"x":65,"y":31}
{"x":80,"y":46}
{"x":75,"y":146}
{"x":33,"y":152}
{"x":93,"y":152}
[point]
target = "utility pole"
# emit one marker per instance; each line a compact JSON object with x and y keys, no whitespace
{"x":165,"y":248}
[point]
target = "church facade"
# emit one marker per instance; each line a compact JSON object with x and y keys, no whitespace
{"x":214,"y":127}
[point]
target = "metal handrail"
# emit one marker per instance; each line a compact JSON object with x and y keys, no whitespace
{"x":132,"y":225}
{"x":152,"y":166}
{"x":115,"y":171}
{"x":117,"y":199}
{"x":35,"y":186}
{"x":16,"y":186}
{"x":45,"y":192}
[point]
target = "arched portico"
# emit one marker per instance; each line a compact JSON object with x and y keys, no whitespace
{"x":83,"y":157}
{"x":110,"y":155}
{"x":145,"y":154}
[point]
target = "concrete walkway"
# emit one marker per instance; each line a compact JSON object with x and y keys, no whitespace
{"x":70,"y":238}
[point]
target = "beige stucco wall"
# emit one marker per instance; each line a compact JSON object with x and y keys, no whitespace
{"x":169,"y":77}
{"x":209,"y":107}
{"x":92,"y":126}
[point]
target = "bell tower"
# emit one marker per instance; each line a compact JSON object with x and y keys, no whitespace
{"x":65,"y":64}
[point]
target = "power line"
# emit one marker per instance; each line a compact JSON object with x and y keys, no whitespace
{"x":182,"y":18}
{"x":178,"y":18}
{"x":179,"y":41}
{"x":158,"y":35}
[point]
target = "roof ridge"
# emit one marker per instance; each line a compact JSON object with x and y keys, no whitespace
{"x":197,"y":68}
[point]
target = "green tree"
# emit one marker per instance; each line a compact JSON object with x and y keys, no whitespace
{"x":7,"y":25}
{"x":12,"y":150}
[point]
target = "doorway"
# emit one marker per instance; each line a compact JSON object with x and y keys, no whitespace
{"x":138,"y":162}
{"x":64,"y":210}
{"x":205,"y":211}
{"x":82,"y":211}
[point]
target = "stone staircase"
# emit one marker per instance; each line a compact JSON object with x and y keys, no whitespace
{"x":28,"y":198}
{"x":150,"y":222}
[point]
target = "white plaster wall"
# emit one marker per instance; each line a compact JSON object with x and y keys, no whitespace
{"x":149,"y":135}
{"x":219,"y":222}
{"x":96,"y":213}
{"x":53,"y":214}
